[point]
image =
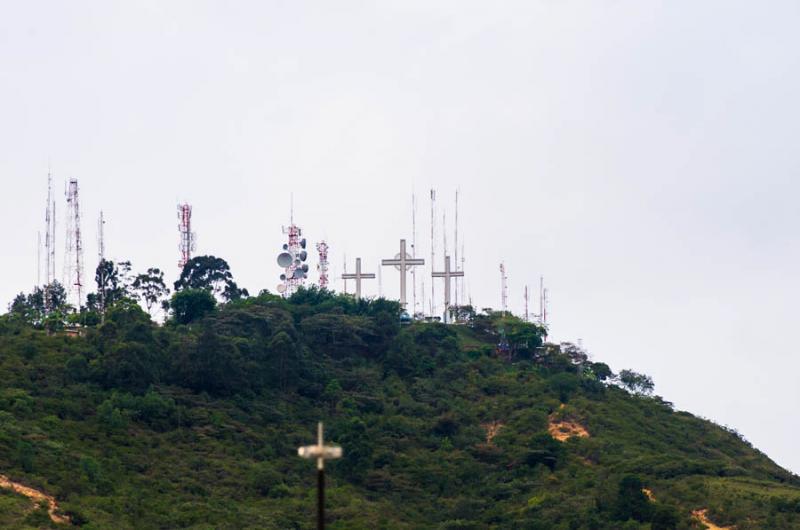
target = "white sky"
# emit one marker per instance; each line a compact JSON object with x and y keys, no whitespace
{"x":638,"y":154}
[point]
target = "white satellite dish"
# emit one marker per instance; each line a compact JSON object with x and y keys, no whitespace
{"x":299,"y":274}
{"x":285,"y":259}
{"x":281,"y":288}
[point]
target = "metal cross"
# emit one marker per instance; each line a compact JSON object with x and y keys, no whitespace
{"x":358,"y":276}
{"x":321,"y":452}
{"x":447,"y":274}
{"x":403,"y":262}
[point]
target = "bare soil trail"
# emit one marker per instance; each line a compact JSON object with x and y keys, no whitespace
{"x":702,"y":516}
{"x":36,"y":496}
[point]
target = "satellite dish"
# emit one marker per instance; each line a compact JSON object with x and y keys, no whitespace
{"x":297,"y":262}
{"x":284,"y":259}
{"x":299,"y":274}
{"x":303,"y":255}
{"x":285,"y":246}
{"x":283,"y":277}
{"x":303,"y":243}
{"x":305,"y":267}
{"x":281,"y":288}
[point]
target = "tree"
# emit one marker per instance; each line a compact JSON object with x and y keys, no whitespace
{"x":212,"y":274}
{"x":636,"y":383}
{"x":189,"y":305}
{"x":150,"y":287}
{"x":632,"y":503}
{"x":110,"y":288}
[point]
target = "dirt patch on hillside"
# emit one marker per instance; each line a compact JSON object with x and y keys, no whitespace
{"x":702,"y":516}
{"x":649,"y":494}
{"x":36,"y":496}
{"x":562,"y":429}
{"x":492,"y":429}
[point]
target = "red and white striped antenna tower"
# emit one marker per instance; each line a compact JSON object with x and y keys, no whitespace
{"x":503,"y":287}
{"x":322,"y":249}
{"x":73,"y":257}
{"x":188,"y":238}
{"x":292,"y":258}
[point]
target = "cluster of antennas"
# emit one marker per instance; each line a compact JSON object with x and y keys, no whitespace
{"x":292,"y":258}
{"x":187,"y":244}
{"x":322,"y":267}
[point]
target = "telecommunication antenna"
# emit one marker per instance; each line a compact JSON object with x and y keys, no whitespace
{"x":73,"y":264}
{"x":527,"y":318}
{"x":344,"y":273}
{"x":414,"y":254}
{"x":433,"y":246}
{"x":50,"y":234}
{"x":292,"y":258}
{"x":503,"y":287}
{"x":322,"y":267}
{"x":188,"y":238}
{"x":456,"y":250}
{"x":101,"y":255}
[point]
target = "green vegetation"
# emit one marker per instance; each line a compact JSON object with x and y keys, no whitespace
{"x":195,"y":423}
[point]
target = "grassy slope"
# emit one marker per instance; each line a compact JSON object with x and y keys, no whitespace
{"x":231,"y":463}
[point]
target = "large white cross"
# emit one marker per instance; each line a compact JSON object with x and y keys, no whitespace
{"x":358,"y":276}
{"x":403,"y":262}
{"x":447,"y":274}
{"x":320,"y":451}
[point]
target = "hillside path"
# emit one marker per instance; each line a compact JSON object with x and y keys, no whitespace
{"x":36,"y":496}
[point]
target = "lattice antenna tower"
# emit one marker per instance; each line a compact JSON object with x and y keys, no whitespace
{"x":527,"y":299}
{"x":433,"y":248}
{"x":456,"y":253}
{"x":73,"y":258}
{"x":414,"y":253}
{"x":188,"y":239}
{"x":292,"y":258}
{"x":101,"y":256}
{"x":322,"y":267}
{"x":503,"y":287}
{"x":50,"y":234}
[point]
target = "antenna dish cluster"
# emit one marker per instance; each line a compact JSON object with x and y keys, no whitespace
{"x":292,"y":259}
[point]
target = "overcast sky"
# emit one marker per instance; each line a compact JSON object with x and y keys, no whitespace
{"x":640,"y":155}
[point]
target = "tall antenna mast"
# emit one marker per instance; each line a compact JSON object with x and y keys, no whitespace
{"x":49,"y":236}
{"x":456,"y":252}
{"x":322,"y":267}
{"x":527,"y":319}
{"x":101,"y":255}
{"x":503,"y":287}
{"x":344,"y":274}
{"x":73,"y":277}
{"x":188,"y":238}
{"x":293,"y":256}
{"x":433,"y":246}
{"x":414,"y":254}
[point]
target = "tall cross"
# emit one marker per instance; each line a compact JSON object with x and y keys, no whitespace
{"x":321,"y":452}
{"x":358,"y":276}
{"x":447,"y":275}
{"x":403,"y":262}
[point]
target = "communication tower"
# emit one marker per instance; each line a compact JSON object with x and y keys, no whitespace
{"x":322,"y":249}
{"x":503,"y":287}
{"x":73,"y":257}
{"x":292,"y":258}
{"x":50,"y":234}
{"x":188,"y":238}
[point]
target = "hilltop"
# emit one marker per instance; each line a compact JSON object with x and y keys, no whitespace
{"x":195,"y":424}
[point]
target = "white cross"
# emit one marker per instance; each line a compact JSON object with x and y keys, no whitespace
{"x":447,"y":274}
{"x":358,"y":276}
{"x":320,"y":451}
{"x":403,"y":262}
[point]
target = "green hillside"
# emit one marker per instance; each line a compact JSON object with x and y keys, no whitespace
{"x":196,"y":425}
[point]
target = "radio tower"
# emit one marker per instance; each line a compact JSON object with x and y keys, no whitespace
{"x":187,"y":244}
{"x":292,"y":258}
{"x":101,"y":255}
{"x":322,"y":248}
{"x":50,"y":234}
{"x":527,"y":298}
{"x":503,"y":287}
{"x":433,"y":248}
{"x":73,"y":257}
{"x":414,"y":255}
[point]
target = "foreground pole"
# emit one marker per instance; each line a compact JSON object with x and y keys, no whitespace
{"x":321,"y":452}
